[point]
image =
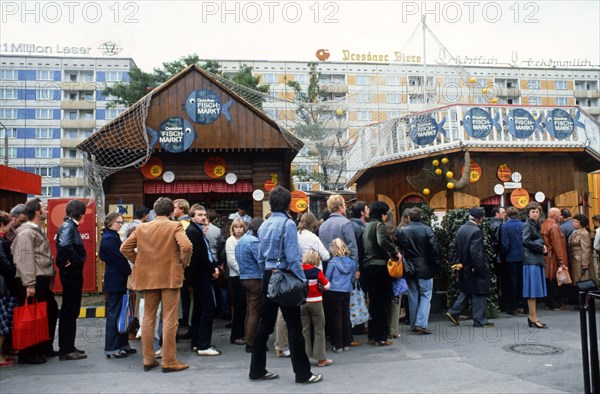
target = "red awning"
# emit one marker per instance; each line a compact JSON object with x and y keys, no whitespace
{"x":493,"y":200}
{"x":20,"y":181}
{"x":196,"y":187}
{"x":413,"y":199}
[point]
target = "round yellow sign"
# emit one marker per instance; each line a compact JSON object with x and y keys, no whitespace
{"x":301,"y":205}
{"x":219,"y":171}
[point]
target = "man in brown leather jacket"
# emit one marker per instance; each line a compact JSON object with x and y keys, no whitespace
{"x":556,"y":257}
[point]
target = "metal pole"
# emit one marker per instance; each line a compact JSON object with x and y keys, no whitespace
{"x":584,"y":342}
{"x":5,"y":144}
{"x":594,"y":368}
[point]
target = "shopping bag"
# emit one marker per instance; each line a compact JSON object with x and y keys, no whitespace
{"x":30,"y":324}
{"x":359,"y":313}
{"x":126,"y":314}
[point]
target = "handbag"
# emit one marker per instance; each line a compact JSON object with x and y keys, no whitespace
{"x":285,"y":288}
{"x":126,"y":314}
{"x":395,"y":268}
{"x":30,"y":324}
{"x":359,"y":313}
{"x":563,"y":277}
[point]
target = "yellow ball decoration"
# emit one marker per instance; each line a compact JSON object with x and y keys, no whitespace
{"x":438,"y":171}
{"x":494,"y":100}
{"x":450,"y":185}
{"x":484,"y":91}
{"x":339,"y":112}
{"x":426,"y":191}
{"x":473,"y":80}
{"x":445,"y":160}
{"x":449,"y":174}
{"x":435,"y":163}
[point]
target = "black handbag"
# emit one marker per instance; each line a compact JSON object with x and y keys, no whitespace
{"x":285,"y":288}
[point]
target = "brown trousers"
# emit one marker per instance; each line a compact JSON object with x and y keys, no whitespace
{"x":170,"y":303}
{"x":253,"y":308}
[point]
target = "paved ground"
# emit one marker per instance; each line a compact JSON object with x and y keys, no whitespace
{"x":453,"y":359}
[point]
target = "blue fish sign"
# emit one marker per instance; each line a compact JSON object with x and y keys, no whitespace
{"x":559,"y":124}
{"x":521,"y":124}
{"x":204,"y":107}
{"x":479,"y":124}
{"x":176,"y":134}
{"x":424,"y":130}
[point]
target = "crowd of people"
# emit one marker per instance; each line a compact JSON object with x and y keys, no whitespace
{"x":176,"y":259}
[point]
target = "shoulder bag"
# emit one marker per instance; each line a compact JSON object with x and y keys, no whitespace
{"x":285,"y":288}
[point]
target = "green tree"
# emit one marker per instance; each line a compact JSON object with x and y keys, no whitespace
{"x":318,"y":126}
{"x":127,"y":93}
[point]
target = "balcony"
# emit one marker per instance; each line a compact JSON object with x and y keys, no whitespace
{"x":76,"y":86}
{"x":383,"y":142}
{"x":78,"y":104}
{"x":507,"y":92}
{"x":72,"y":182}
{"x":586,"y":94}
{"x":68,"y":162}
{"x":78,"y":123}
{"x":334,"y":87}
{"x":70,"y":143}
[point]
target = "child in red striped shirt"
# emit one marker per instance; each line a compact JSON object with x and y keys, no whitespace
{"x":313,"y":315}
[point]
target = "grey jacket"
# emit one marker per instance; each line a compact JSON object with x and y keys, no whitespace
{"x":337,"y":226}
{"x":31,"y":254}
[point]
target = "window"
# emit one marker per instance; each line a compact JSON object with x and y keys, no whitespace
{"x":72,"y":115}
{"x":43,"y":94}
{"x":12,"y":153}
{"x":71,"y":134}
{"x":304,"y":186}
{"x":71,"y":192}
{"x":302,"y":79}
{"x":43,"y":113}
{"x":43,"y":133}
{"x":393,"y":114}
{"x":89,"y":115}
{"x":44,"y":171}
{"x":562,"y":101}
{"x":8,"y":113}
{"x":270,"y":78}
{"x":113,"y":113}
{"x":70,"y":153}
{"x":43,"y":153}
{"x":364,"y":98}
{"x":87,"y":77}
{"x":560,"y":85}
{"x":87,"y":96}
{"x":69,"y":172}
{"x":362,"y":80}
{"x":10,"y":75}
{"x":393,"y":98}
{"x":306,"y":168}
{"x":46,"y":191}
{"x":534,"y":100}
{"x":10,"y":133}
{"x":271,"y":113}
{"x":364,"y":115}
{"x":87,"y":133}
{"x":533,"y":85}
{"x":393,"y":80}
{"x":8,"y":94}
{"x":44,"y":75}
{"x":113,"y":76}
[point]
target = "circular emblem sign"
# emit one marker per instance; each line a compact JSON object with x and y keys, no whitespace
{"x":516,"y":176}
{"x":477,"y":123}
{"x":269,"y":185}
{"x":504,"y":173}
{"x":168,"y":177}
{"x":299,"y":201}
{"x":474,"y":174}
{"x":230,"y":178}
{"x":258,"y":195}
{"x":540,"y":197}
{"x":153,"y":168}
{"x":215,"y":167}
{"x":176,"y":135}
{"x":519,"y":198}
{"x":499,"y":189}
{"x":424,"y":130}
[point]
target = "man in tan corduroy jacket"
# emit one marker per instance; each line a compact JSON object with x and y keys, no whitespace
{"x":163,"y":251}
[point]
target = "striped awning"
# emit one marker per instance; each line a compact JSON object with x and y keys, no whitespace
{"x":196,"y":187}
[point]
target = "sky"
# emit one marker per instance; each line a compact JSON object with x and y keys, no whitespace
{"x":152,"y":32}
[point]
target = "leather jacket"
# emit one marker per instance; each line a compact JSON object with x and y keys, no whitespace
{"x":70,"y":253}
{"x":420,"y":251}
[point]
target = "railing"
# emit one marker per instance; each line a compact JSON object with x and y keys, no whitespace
{"x":589,"y":340}
{"x":472,"y":125}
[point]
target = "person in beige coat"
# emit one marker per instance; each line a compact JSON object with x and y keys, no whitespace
{"x":556,"y":257}
{"x":580,"y":246}
{"x":163,"y":251}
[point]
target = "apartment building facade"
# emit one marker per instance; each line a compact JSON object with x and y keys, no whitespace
{"x":48,"y":105}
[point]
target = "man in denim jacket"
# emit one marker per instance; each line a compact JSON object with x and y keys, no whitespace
{"x":283,"y":255}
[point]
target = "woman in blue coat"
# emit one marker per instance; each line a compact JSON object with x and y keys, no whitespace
{"x":115,"y":284}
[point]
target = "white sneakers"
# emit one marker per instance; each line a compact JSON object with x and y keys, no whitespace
{"x":158,"y":353}
{"x":211,"y":351}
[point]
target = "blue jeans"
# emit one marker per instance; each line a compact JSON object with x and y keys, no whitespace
{"x":419,"y":301}
{"x":113,"y":340}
